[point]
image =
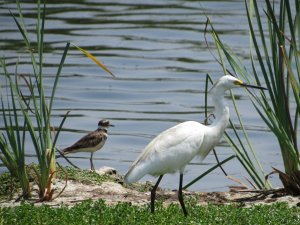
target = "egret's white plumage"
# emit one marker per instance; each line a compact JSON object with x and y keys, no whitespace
{"x":174,"y":148}
{"x":164,"y":153}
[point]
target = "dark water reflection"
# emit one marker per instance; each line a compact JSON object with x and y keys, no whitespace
{"x":158,"y":53}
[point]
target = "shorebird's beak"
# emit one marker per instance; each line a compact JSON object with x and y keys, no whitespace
{"x":111,"y":125}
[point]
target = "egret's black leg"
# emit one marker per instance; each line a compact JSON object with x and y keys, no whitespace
{"x":91,"y":160}
{"x":180,"y":197}
{"x":153,"y":192}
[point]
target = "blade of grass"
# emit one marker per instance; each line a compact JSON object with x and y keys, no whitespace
{"x":98,"y":62}
{"x":244,"y":156}
{"x":208,"y":171}
{"x":57,"y":75}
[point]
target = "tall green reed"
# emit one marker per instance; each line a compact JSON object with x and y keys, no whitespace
{"x":278,"y":61}
{"x":36,"y":110}
{"x":275,"y":63}
{"x":12,"y":143}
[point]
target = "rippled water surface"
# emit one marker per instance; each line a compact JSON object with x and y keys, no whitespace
{"x":157,"y":51}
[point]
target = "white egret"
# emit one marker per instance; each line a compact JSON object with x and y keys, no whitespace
{"x":174,"y":148}
{"x":91,"y":142}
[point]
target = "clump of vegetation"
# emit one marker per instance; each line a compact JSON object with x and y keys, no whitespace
{"x":89,"y":212}
{"x":26,"y":108}
{"x":141,"y":187}
{"x":92,"y":177}
{"x":275,"y":63}
{"x":10,"y":185}
{"x":85,"y":176}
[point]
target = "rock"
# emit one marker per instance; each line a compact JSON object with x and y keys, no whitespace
{"x":106,"y":170}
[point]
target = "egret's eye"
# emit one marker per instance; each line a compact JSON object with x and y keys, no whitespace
{"x":238,"y":82}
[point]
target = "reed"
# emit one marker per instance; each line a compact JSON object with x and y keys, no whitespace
{"x":12,"y":141}
{"x":275,"y":63}
{"x":34,"y":111}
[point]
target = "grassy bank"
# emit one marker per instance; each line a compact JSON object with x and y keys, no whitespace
{"x":98,"y":212}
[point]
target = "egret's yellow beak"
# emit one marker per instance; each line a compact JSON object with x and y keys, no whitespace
{"x":241,"y":83}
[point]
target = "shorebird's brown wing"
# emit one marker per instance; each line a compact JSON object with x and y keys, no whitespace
{"x":90,"y":140}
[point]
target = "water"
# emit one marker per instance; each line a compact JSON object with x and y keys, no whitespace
{"x":158,"y":53}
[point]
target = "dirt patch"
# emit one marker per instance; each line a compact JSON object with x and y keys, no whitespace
{"x":114,"y":192}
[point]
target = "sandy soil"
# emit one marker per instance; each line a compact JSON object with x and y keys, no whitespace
{"x":113,"y":192}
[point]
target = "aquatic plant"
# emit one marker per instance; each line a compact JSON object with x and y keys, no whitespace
{"x":35,"y":109}
{"x":31,"y":114}
{"x":13,"y":157}
{"x":274,"y":54}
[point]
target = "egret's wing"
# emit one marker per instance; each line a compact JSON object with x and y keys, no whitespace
{"x":170,"y":151}
{"x":182,"y":134}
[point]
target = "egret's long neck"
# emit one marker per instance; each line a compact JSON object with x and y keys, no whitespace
{"x":221,"y":111}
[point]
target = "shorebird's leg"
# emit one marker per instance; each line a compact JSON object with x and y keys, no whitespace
{"x":180,"y":197}
{"x":91,"y":160}
{"x":153,"y":192}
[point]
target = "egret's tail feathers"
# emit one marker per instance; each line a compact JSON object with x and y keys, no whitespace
{"x":133,"y":175}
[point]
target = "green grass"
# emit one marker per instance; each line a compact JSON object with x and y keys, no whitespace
{"x":8,"y":185}
{"x":91,"y":177}
{"x":89,"y":212}
{"x":84,"y":176}
{"x":98,"y":212}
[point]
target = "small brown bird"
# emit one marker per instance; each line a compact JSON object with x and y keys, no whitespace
{"x":91,"y":142}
